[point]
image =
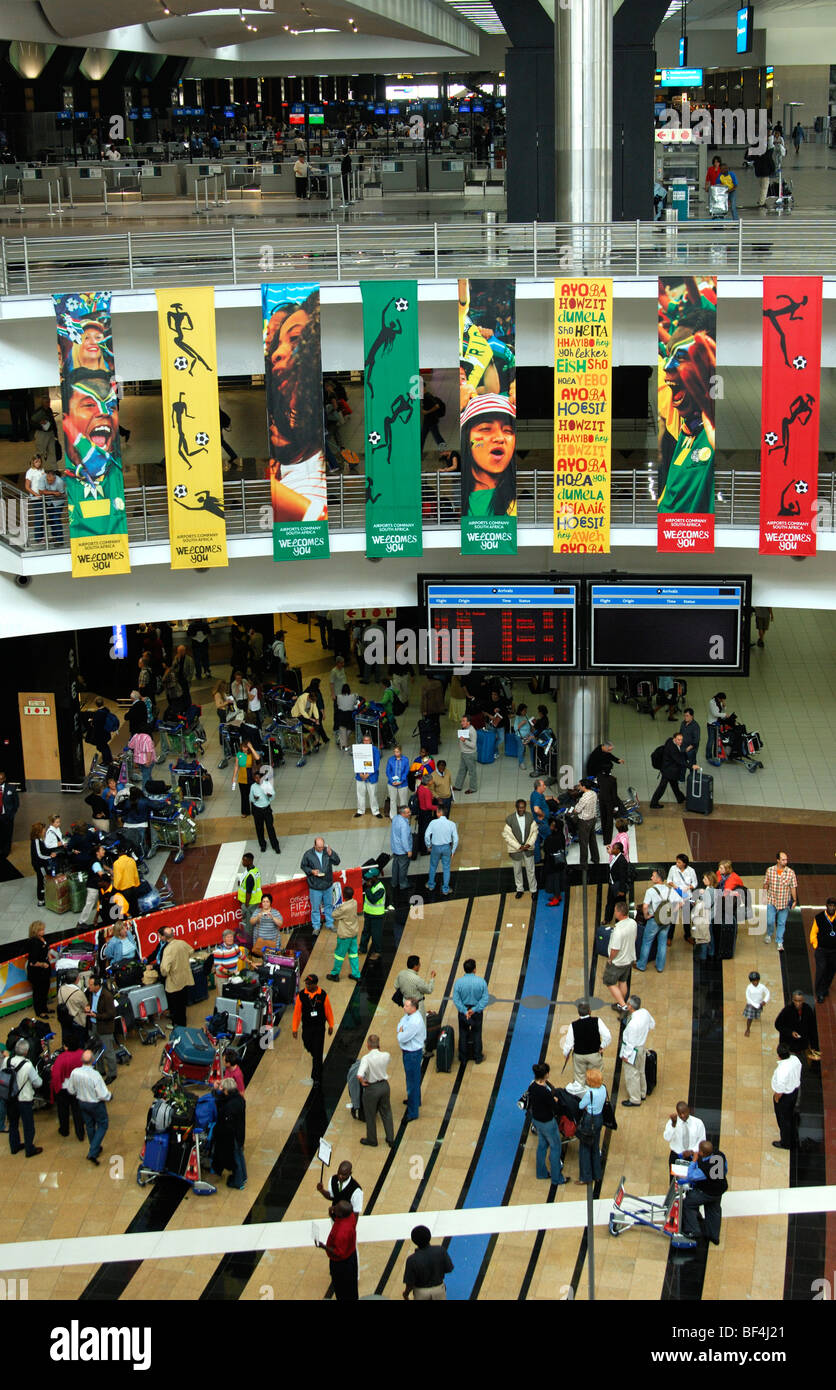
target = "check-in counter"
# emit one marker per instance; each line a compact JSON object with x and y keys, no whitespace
{"x":159,"y":181}
{"x":34,"y":183}
{"x":277,"y":178}
{"x":399,"y":176}
{"x":446,"y":175}
{"x":190,"y":172}
{"x":84,"y":182}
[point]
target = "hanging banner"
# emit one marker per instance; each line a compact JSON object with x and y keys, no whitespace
{"x":393,"y":417}
{"x":293,"y":378}
{"x":93,"y":475}
{"x":792,"y":326}
{"x":582,"y":415}
{"x":687,"y":366}
{"x":191,"y":427}
{"x":488,"y":406}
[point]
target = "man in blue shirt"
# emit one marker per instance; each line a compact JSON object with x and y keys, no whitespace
{"x":400,"y":843}
{"x":442,"y":839}
{"x":397,"y":772}
{"x":412,"y":1034}
{"x":707,"y":1182}
{"x":470,"y":995}
{"x":367,"y":782}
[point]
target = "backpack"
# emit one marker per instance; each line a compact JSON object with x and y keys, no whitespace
{"x":10,"y":1081}
{"x":161,"y":1116}
{"x":657,"y":757}
{"x":398,"y":706}
{"x":111,"y":722}
{"x":414,"y":804}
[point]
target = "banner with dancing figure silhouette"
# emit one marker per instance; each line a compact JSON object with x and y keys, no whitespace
{"x":293,"y":381}
{"x":687,"y":388}
{"x":93,"y":480}
{"x":192,"y":428}
{"x":792,"y":326}
{"x":392,"y":399}
{"x":488,"y":413}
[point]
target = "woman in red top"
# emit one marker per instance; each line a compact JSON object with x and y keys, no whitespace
{"x":713,"y":173}
{"x":727,"y":879}
{"x":426,"y":812}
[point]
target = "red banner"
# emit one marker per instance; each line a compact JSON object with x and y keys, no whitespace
{"x":790,"y":413}
{"x":686,"y":392}
{"x":201,"y":923}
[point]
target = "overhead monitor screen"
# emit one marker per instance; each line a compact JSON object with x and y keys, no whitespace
{"x":692,"y":625}
{"x":518,"y":625}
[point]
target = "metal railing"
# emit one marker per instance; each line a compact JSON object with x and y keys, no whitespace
{"x":30,"y":527}
{"x":226,"y":255}
{"x":219,"y":181}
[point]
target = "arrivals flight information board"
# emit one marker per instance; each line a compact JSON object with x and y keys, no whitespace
{"x":503,"y":626}
{"x":669,"y":628}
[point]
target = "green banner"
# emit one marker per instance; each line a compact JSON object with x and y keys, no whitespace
{"x":488,"y":404}
{"x":393,"y":418}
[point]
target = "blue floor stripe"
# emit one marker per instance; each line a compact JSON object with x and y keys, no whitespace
{"x":499,"y":1148}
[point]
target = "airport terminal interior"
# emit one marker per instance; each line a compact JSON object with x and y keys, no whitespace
{"x":487,"y":350}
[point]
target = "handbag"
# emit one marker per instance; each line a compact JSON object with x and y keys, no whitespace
{"x":586,"y":1126}
{"x":608,"y":1115}
{"x":397,"y":998}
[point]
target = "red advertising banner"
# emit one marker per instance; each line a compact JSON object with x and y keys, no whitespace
{"x":687,"y":365}
{"x":790,"y":398}
{"x":201,"y":923}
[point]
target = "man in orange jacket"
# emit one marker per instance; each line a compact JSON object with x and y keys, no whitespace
{"x":313,"y":1010}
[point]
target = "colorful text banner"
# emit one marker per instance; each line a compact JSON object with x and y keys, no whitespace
{"x":191,"y":426}
{"x":293,"y":379}
{"x":392,"y":417}
{"x":687,"y":366}
{"x":582,"y":415}
{"x":93,"y":476}
{"x":792,"y":326}
{"x":488,"y":406}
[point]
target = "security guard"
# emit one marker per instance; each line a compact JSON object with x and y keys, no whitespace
{"x":249,"y":893}
{"x":374,"y":909}
{"x":823,"y":942}
{"x":313,"y":1010}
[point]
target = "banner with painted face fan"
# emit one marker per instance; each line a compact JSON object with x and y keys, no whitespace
{"x":392,"y":417}
{"x":488,"y":405}
{"x":686,"y":387}
{"x":93,"y":477}
{"x":191,"y":428}
{"x":296,"y":433}
{"x":792,"y":325}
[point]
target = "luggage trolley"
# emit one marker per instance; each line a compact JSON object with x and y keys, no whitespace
{"x":184,"y":780}
{"x":174,"y":827}
{"x":183,"y":1148}
{"x":663,"y":1217}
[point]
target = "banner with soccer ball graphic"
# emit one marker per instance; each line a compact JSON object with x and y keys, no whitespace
{"x":687,"y":390}
{"x":392,"y":398}
{"x":295,"y":423}
{"x":488,"y":416}
{"x":191,"y":428}
{"x":792,"y":325}
{"x":93,"y":478}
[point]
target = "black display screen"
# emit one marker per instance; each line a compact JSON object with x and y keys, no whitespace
{"x":689,"y":626}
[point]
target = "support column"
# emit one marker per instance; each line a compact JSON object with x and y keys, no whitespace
{"x":583,"y":705}
{"x":583,"y":111}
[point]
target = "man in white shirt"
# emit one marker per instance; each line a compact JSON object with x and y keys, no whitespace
{"x":86,"y":1084}
{"x":467,"y":760}
{"x":786,"y":1082}
{"x":412,"y":1034}
{"x":343,"y":1187}
{"x":656,"y":910}
{"x":373,"y":1075}
{"x":682,"y":879}
{"x":622,"y":956}
{"x":586,"y":814}
{"x":634,"y":1050}
{"x":519,"y":835}
{"x":684,"y":1132}
{"x":19,"y":1109}
{"x":586,"y":1039}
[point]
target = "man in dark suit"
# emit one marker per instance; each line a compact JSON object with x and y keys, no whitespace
{"x":9,"y":806}
{"x":673,"y":769}
{"x":796,"y":1025}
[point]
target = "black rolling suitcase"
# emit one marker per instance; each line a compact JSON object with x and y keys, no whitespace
{"x":445,"y":1049}
{"x":726,"y":934}
{"x":428,"y":735}
{"x":199,"y":989}
{"x":699,"y":792}
{"x":247,"y":991}
{"x":650,"y":1070}
{"x":433,"y":1031}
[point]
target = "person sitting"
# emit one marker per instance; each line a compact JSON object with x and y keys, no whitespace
{"x":121,"y":946}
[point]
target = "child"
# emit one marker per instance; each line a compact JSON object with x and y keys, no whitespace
{"x":622,"y":834}
{"x":756,"y":996}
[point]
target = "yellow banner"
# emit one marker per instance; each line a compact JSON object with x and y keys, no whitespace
{"x":191,"y":425}
{"x":582,"y":415}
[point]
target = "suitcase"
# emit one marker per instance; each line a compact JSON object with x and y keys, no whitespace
{"x":192,"y":1053}
{"x":246,"y":990}
{"x":445,"y":1049}
{"x":355,"y":1090}
{"x":245,"y":1018}
{"x":753,"y":742}
{"x":127,"y":974}
{"x":57,"y":893}
{"x":154,"y":787}
{"x":75,"y":958}
{"x":726,"y":934}
{"x":155,"y":1152}
{"x":650,"y":1070}
{"x":78,"y":891}
{"x":486,"y":743}
{"x":699,"y":792}
{"x":283,"y":980}
{"x":144,"y":1002}
{"x":199,"y":990}
{"x":512,"y":745}
{"x":433,"y":1031}
{"x":602,"y":941}
{"x":428,"y":735}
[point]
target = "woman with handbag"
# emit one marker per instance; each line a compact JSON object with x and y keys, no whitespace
{"x":38,"y":970}
{"x":522,"y":729}
{"x":592,"y":1104}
